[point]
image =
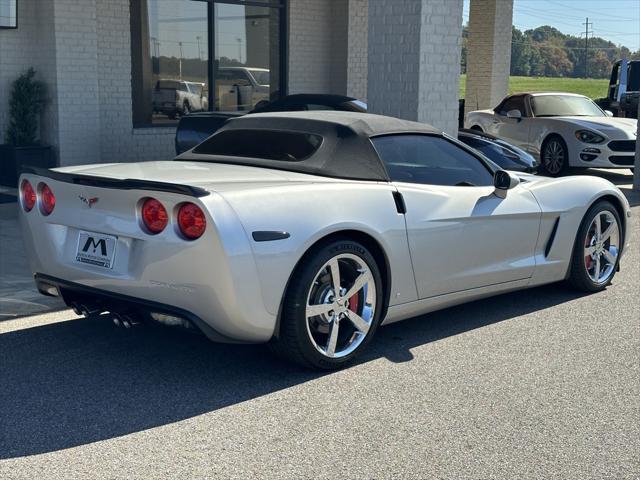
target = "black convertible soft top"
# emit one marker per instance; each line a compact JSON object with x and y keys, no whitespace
{"x":340,"y":143}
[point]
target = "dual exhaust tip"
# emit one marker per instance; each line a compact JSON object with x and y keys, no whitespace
{"x":119,"y":319}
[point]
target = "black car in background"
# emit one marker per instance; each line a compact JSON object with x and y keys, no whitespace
{"x":195,"y":128}
{"x":503,"y":154}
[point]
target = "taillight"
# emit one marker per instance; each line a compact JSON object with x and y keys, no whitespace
{"x":47,"y":199}
{"x":28,"y":195}
{"x":154,"y":215}
{"x":191,"y":221}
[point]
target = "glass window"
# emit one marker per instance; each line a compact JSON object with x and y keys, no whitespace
{"x":513,"y":103}
{"x":265,"y":144}
{"x":169,"y":49}
{"x":172,"y":67}
{"x":247,"y":55}
{"x":564,"y":105}
{"x":8,"y":14}
{"x":432,"y":160}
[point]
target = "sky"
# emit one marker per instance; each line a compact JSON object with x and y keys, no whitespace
{"x":615,"y":20}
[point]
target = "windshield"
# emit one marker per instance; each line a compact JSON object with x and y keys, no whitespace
{"x":262,"y":78}
{"x":564,"y":106}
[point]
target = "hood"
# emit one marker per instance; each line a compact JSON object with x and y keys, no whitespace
{"x":200,"y":174}
{"x":603,"y":124}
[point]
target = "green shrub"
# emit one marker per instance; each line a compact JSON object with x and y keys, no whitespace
{"x":27,"y":100}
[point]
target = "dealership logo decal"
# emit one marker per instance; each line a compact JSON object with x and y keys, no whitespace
{"x":88,"y":201}
{"x":101,"y":244}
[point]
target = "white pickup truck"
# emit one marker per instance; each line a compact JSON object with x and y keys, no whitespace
{"x":178,"y":97}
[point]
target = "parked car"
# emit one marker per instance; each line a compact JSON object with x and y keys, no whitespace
{"x":241,"y":88}
{"x":308,"y":230}
{"x":177,"y":97}
{"x":561,"y":129}
{"x":503,"y":154}
{"x":627,"y":104}
{"x":196,"y":128}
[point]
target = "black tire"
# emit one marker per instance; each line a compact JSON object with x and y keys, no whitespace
{"x":477,"y":128}
{"x":294,"y":342}
{"x":186,"y":109}
{"x":548,"y":152}
{"x":579,"y":277}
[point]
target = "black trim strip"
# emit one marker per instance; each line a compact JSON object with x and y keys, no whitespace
{"x":269,"y":235}
{"x":104,"y":298}
{"x":120,"y":184}
{"x":401,"y":207}
{"x":552,"y":237}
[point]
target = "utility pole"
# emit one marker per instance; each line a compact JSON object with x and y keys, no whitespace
{"x":586,"y":24}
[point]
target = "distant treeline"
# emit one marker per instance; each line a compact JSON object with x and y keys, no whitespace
{"x":547,"y":52}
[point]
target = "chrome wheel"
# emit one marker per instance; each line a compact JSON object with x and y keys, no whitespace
{"x":340,"y":305}
{"x":554,"y":157}
{"x":601,"y":247}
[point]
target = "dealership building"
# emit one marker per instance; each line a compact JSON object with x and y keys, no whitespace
{"x":106,"y":62}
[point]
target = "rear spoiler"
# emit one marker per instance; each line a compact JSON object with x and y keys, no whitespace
{"x":118,"y":184}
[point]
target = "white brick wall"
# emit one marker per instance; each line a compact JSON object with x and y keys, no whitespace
{"x":414,"y":58}
{"x":357,"y":57}
{"x":309,"y":46}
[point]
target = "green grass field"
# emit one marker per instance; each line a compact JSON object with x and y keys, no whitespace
{"x":591,"y":87}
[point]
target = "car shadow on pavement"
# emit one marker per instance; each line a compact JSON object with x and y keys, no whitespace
{"x":81,"y":381}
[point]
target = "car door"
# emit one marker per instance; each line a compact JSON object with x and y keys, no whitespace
{"x":461,"y":235}
{"x":513,"y":130}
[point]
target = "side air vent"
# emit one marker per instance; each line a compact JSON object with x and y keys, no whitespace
{"x":552,"y":237}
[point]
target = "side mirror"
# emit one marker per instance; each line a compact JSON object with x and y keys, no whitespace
{"x":503,"y":181}
{"x":514,"y":114}
{"x":609,"y":113}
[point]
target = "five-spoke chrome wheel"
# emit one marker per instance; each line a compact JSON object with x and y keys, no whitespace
{"x":340,"y":305}
{"x":554,"y":156}
{"x":601,"y":247}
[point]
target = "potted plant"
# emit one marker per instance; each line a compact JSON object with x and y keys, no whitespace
{"x":27,"y":100}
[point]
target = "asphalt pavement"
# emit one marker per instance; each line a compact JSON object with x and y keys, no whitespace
{"x":540,"y":384}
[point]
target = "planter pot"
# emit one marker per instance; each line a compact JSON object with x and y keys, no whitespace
{"x":12,"y":159}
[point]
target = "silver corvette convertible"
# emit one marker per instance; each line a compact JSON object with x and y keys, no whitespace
{"x":309,"y":230}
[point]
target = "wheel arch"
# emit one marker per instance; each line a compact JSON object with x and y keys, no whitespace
{"x":374,"y":247}
{"x":619,"y":206}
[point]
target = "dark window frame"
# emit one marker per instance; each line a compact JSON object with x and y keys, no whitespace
{"x":140,"y":54}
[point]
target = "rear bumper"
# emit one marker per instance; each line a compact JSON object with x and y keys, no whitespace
{"x":213,"y":279}
{"x":98,"y":301}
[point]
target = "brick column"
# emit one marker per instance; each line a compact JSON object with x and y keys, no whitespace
{"x":414,"y":60}
{"x":488,"y":53}
{"x":77,"y":81}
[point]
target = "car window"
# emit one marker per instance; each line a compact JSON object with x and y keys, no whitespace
{"x":233,"y":77}
{"x":513,"y":103}
{"x":432,"y":160}
{"x":167,"y":84}
{"x":264,"y":144}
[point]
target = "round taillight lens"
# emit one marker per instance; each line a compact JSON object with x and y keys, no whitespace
{"x":47,"y":199}
{"x":28,"y":195}
{"x":191,"y":221}
{"x":154,"y":215}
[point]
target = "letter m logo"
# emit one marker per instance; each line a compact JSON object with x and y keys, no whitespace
{"x":91,"y":242}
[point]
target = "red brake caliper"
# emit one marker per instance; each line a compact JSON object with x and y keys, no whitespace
{"x":353,"y":303}
{"x":587,"y":259}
